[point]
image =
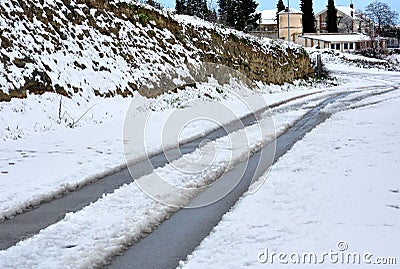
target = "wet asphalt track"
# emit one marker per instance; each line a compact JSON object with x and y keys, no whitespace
{"x":178,"y":236}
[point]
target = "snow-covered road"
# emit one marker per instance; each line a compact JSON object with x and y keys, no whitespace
{"x":103,"y":228}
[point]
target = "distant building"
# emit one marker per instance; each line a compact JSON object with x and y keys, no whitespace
{"x":295,"y":24}
{"x":341,"y":42}
{"x":268,"y":24}
{"x":349,"y":20}
{"x":268,"y":21}
{"x":352,"y":24}
{"x":394,"y":40}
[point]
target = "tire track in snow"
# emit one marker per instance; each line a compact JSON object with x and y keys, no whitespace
{"x":178,"y":236}
{"x":54,"y":208}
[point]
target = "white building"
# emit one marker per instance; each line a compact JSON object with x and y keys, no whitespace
{"x":268,"y":21}
{"x":349,"y":20}
{"x":341,"y":42}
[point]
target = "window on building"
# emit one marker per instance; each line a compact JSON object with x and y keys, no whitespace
{"x":333,"y":46}
{"x":346,"y":46}
{"x":351,"y":46}
{"x":338,"y":46}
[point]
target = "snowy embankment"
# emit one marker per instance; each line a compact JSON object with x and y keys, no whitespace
{"x":338,"y":184}
{"x":85,"y":48}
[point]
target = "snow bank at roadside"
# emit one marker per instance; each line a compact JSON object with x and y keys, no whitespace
{"x":332,"y":58}
{"x":40,"y":114}
{"x":53,"y":159}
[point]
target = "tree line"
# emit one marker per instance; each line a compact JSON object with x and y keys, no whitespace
{"x":242,"y":15}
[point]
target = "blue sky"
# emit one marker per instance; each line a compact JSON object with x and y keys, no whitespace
{"x":318,"y":4}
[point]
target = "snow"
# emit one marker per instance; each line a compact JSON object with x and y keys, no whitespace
{"x":90,"y":236}
{"x":268,"y":16}
{"x":394,"y":58}
{"x":346,"y":10}
{"x":346,"y":62}
{"x":88,"y":62}
{"x":338,"y":184}
{"x":291,"y":10}
{"x":92,"y":63}
{"x":41,"y":156}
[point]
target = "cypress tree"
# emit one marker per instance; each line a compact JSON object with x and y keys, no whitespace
{"x":331,"y":20}
{"x":190,"y":7}
{"x":308,"y":16}
{"x":230,"y":13}
{"x":239,"y":20}
{"x":222,"y":10}
{"x":212,"y":17}
{"x":204,"y":13}
{"x":279,"y":6}
{"x":239,"y":14}
{"x":179,"y":6}
{"x":250,"y":17}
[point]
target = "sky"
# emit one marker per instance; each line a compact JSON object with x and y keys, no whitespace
{"x":318,"y":4}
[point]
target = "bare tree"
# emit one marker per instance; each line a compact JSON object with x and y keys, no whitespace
{"x":365,"y":24}
{"x":382,"y":14}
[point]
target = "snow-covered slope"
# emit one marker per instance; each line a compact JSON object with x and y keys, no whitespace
{"x":85,"y":47}
{"x":74,"y":49}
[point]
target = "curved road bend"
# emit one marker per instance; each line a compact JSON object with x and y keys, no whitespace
{"x":178,"y":236}
{"x":30,"y":222}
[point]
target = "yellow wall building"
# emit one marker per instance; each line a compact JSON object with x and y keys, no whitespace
{"x":295,"y":25}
